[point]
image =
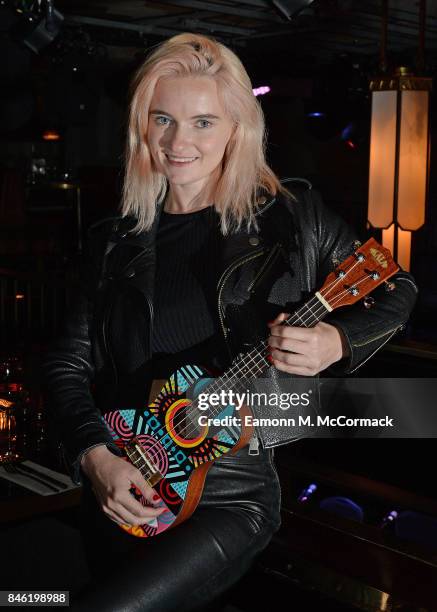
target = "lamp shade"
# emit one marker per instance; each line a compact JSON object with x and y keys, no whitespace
{"x":399,"y":153}
{"x":413,"y":159}
{"x":382,"y":158}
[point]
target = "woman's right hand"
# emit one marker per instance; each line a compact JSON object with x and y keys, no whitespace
{"x":111,"y":479}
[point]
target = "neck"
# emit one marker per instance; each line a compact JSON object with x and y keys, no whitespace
{"x":179,"y":202}
{"x":177,"y":209}
{"x":189,"y":198}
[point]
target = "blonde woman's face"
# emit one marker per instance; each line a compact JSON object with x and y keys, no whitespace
{"x":188,"y":129}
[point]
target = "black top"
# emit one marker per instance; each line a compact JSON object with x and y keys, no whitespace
{"x":186,"y":326}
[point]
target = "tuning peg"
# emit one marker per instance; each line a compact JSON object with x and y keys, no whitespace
{"x":357,"y":244}
{"x":368,"y":302}
{"x":389,"y":285}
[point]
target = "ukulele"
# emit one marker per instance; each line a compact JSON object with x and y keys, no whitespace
{"x":168,"y":441}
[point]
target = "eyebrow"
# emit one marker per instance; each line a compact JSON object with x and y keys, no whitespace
{"x":157,"y":111}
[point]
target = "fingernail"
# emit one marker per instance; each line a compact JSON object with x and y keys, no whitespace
{"x":269,"y":358}
{"x":155,"y":497}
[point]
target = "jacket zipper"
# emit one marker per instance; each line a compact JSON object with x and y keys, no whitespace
{"x":271,"y":452}
{"x":149,"y":301}
{"x":268,"y":262}
{"x":105,"y":341}
{"x":369,"y":340}
{"x":393,"y":331}
{"x":254,"y":445}
{"x":224,"y":277}
{"x":254,"y":442}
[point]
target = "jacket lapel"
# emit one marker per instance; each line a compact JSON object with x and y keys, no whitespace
{"x":132,"y":257}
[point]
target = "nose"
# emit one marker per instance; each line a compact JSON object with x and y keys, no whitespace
{"x":177,"y":138}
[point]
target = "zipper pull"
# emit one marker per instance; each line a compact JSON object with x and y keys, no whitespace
{"x":254,"y":445}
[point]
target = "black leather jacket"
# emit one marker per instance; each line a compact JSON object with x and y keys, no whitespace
{"x":268,"y":270}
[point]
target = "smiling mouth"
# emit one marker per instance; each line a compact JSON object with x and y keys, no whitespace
{"x":180,"y":160}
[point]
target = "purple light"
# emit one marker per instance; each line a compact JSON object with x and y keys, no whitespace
{"x":389,"y":518}
{"x":260,"y":91}
{"x":316,"y":114}
{"x":347,"y":132}
{"x":307,"y":492}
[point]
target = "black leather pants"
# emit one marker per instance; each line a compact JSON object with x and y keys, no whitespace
{"x":187,"y":567}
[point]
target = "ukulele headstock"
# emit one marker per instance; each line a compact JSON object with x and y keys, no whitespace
{"x":369,"y":266}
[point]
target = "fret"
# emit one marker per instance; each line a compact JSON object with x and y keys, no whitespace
{"x":315,"y":317}
{"x":324,"y":303}
{"x":296,"y":314}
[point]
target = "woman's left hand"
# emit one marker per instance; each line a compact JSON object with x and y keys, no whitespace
{"x":305,"y":351}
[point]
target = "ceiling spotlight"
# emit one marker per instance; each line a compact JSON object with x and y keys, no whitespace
{"x":290,"y":8}
{"x":38,"y":28}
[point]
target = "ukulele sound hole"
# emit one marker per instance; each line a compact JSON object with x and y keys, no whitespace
{"x":183,"y":419}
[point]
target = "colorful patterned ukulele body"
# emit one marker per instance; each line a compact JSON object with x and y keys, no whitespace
{"x":167,"y":445}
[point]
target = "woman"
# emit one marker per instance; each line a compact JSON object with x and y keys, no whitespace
{"x":187,"y":275}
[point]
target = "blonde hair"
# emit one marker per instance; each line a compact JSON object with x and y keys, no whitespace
{"x":244,"y":168}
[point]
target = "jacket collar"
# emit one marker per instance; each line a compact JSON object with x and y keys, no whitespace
{"x":129,"y":249}
{"x":125,"y":225}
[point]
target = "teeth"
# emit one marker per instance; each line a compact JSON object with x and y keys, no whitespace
{"x":181,"y":159}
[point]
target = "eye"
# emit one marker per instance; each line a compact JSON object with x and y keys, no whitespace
{"x":159,"y":122}
{"x":205,"y":123}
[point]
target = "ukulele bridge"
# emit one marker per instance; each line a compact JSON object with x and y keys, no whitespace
{"x":141,"y":460}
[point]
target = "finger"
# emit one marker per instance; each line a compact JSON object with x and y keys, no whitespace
{"x":145,"y":489}
{"x":116,"y":518}
{"x":135,"y":517}
{"x":122,"y":507}
{"x":286,"y":344}
{"x":279,"y":319}
{"x":148,"y":514}
{"x":125,"y":520}
{"x":290,"y":359}
{"x":136,"y":509}
{"x":300,"y":371}
{"x":299,"y":334}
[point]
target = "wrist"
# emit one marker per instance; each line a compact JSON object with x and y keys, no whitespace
{"x":344,"y":344}
{"x":90,"y":454}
